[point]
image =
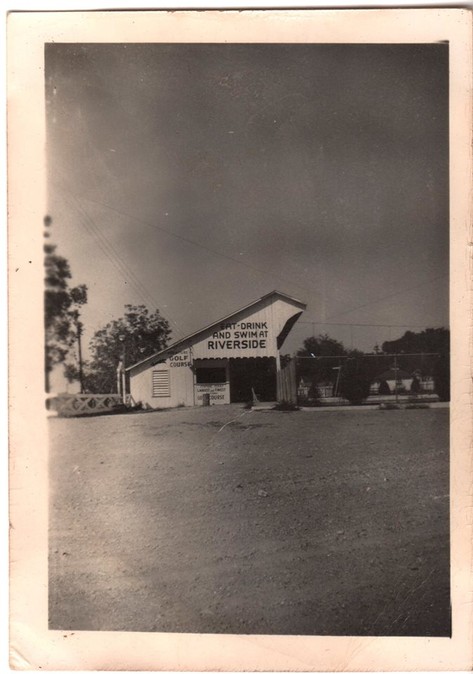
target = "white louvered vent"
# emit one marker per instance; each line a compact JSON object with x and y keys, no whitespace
{"x":161,"y":384}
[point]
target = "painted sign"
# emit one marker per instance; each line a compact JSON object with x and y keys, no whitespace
{"x":239,"y":336}
{"x":219,"y":393}
{"x":181,"y":359}
{"x":246,"y":335}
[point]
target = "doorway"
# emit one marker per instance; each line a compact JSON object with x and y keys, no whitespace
{"x":258,"y":374}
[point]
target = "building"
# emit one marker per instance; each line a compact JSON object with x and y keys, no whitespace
{"x":395,"y":378}
{"x":230,"y":360}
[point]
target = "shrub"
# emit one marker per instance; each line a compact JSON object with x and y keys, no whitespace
{"x":355,"y":381}
{"x":384,"y":389}
{"x":308,"y":402}
{"x":415,"y":386}
{"x":286,"y":406}
{"x":442,"y":378}
{"x":314,"y":393}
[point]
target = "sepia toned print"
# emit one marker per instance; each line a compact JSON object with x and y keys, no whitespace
{"x":250,"y":321}
{"x":320,"y":167}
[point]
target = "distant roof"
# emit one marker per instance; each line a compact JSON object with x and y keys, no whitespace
{"x":394,"y":374}
{"x":305,"y":379}
{"x":226,"y":319}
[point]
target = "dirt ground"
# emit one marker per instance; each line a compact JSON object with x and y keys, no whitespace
{"x":221,"y":519}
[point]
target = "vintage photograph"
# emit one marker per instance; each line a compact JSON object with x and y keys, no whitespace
{"x":240,"y":340}
{"x":247,"y":337}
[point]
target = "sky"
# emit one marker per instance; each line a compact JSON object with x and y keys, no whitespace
{"x":197,"y":178}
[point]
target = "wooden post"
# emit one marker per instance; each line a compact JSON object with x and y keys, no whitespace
{"x":293,"y":383}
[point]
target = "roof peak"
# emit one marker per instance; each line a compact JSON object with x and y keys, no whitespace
{"x":224,"y":319}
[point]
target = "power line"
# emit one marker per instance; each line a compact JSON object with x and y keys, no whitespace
{"x":206,"y":248}
{"x":113,"y":256}
{"x":367,"y":325}
{"x":258,"y":269}
{"x":369,"y":355}
{"x":387,"y":297}
{"x":120,"y":265}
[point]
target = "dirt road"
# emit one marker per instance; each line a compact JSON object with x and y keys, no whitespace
{"x":224,"y":520}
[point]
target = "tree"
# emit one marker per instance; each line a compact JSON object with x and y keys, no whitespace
{"x":61,"y":307}
{"x":320,"y":360}
{"x":322,"y":345}
{"x":317,"y":358}
{"x":431,"y":340}
{"x":131,"y":338}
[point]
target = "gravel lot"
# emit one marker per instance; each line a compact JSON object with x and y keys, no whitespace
{"x":220,"y":519}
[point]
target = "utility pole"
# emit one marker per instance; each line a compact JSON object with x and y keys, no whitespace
{"x":395,"y":377}
{"x":122,"y":379}
{"x":76,"y":319}
{"x":124,"y":374}
{"x":119,"y":377}
{"x":79,"y":348}
{"x":337,"y":384}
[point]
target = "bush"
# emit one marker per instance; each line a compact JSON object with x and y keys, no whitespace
{"x":415,"y":386}
{"x":355,"y":381}
{"x":309,"y":402}
{"x":442,"y":378}
{"x":314,"y":391}
{"x":286,"y":406}
{"x":384,"y":389}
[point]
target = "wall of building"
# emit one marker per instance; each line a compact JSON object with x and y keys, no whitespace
{"x":145,"y":385}
{"x":218,"y":392}
{"x":173,"y":382}
{"x":249,"y":333}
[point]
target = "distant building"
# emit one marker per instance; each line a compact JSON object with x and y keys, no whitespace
{"x":403,"y":379}
{"x":227,"y":361}
{"x":304,"y":387}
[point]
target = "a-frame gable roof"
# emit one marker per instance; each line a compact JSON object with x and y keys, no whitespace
{"x":160,"y":355}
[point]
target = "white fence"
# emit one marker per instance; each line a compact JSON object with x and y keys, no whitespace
{"x":81,"y":404}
